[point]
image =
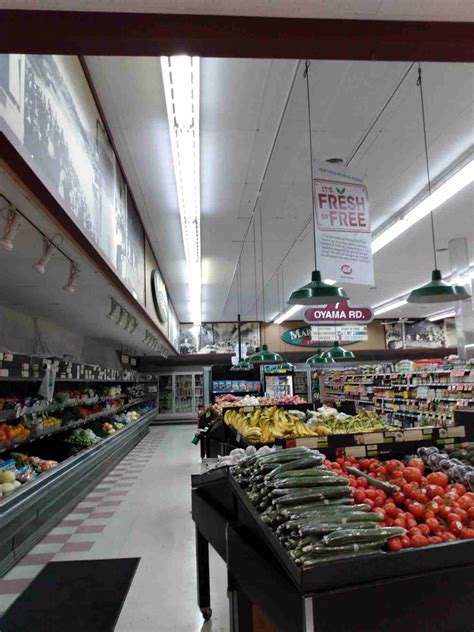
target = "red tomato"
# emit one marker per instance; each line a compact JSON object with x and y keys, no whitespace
{"x":444,"y":510}
{"x":455,"y":527}
{"x":400,"y":522}
{"x":466,"y":533}
{"x":434,"y":490}
{"x":433,"y":524}
{"x":437,"y":478}
{"x":424,"y":528}
{"x":399,"y":497}
{"x":462,"y":513}
{"x":419,"y":540}
{"x":420,"y":496}
{"x":379,"y":501}
{"x":416,"y":509}
{"x":394,"y":544}
{"x":392,"y":510}
{"x":370,"y":493}
{"x":370,"y":502}
{"x":414,"y":531}
{"x":435,"y":539}
{"x":447,"y":536}
{"x":428,"y":514}
{"x":459,"y":488}
{"x":412,"y":474}
{"x":352,"y":482}
{"x":381,"y":493}
{"x":389,"y":521}
{"x":410,"y":488}
{"x":470,"y":513}
{"x":452,"y":517}
{"x":411,"y":522}
{"x":364,"y":464}
{"x":418,"y":463}
{"x":405,"y":540}
{"x":362,"y":482}
{"x":359,"y":496}
{"x":466,"y":502}
{"x":393,"y":465}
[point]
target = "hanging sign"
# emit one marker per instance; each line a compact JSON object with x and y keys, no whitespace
{"x":342,"y":227}
{"x":303,"y":336}
{"x":346,"y":334}
{"x":338,"y":313}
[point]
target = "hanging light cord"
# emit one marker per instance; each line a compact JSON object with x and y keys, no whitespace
{"x":419,"y":83}
{"x":255,"y":268}
{"x":306,"y":76}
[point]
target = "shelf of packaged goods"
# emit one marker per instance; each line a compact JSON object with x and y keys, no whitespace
{"x":34,"y":436}
{"x":37,"y":506}
{"x":255,"y":390}
{"x":17,"y":378}
{"x":10,"y":415}
{"x":424,"y":399}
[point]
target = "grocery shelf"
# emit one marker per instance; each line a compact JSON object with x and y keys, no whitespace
{"x":80,"y":422}
{"x":12,"y":414}
{"x":30,"y":512}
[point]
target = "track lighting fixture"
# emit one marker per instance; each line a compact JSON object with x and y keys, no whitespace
{"x":73,"y":276}
{"x":13,"y":224}
{"x":48,"y":249}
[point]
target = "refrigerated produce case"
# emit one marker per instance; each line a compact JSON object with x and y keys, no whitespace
{"x":301,"y":383}
{"x":180,"y":396}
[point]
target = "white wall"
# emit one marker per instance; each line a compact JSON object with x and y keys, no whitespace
{"x":21,"y":333}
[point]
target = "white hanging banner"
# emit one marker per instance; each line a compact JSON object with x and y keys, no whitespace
{"x":342,"y":227}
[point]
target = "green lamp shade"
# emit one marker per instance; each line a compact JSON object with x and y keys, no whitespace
{"x":287,"y":366}
{"x":336,"y":352}
{"x":319,"y":358}
{"x":265,"y":357}
{"x":317,"y":292}
{"x":437,"y":291}
{"x":242,"y":365}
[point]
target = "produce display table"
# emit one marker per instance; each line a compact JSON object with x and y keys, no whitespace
{"x":432,"y":586}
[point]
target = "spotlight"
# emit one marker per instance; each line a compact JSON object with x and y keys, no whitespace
{"x":73,"y":276}
{"x":13,"y":224}
{"x":113,"y":307}
{"x":48,"y":249}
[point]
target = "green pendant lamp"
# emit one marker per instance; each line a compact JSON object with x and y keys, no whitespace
{"x":316,"y":292}
{"x":265,"y":357}
{"x":336,"y":352}
{"x":288,"y":366}
{"x":437,"y":290}
{"x":319,"y":358}
{"x":242,"y":365}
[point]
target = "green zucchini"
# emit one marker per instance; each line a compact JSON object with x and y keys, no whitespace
{"x":387,"y":487}
{"x":347,"y":536}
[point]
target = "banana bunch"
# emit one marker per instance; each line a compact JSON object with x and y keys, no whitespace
{"x":265,"y":424}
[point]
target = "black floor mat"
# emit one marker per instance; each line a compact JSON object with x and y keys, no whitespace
{"x":82,"y":596}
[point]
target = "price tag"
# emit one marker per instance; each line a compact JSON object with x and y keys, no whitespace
{"x":456,"y":431}
{"x":4,"y":373}
{"x":356,"y":451}
{"x":8,"y":357}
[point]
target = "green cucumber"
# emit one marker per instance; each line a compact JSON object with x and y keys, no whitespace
{"x":308,"y":481}
{"x":286,"y":512}
{"x":322,"y":509}
{"x":298,"y":464}
{"x":387,"y":487}
{"x":319,"y":470}
{"x":346,"y":536}
{"x":326,"y":528}
{"x":311,"y":495}
{"x":311,"y":561}
{"x":354,"y":547}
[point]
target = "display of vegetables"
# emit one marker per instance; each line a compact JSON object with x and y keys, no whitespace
{"x":328,"y":420}
{"x":82,"y":437}
{"x":311,"y":507}
{"x":265,"y":424}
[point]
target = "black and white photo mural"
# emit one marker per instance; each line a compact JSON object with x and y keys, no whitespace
{"x":218,"y":338}
{"x":46,"y":106}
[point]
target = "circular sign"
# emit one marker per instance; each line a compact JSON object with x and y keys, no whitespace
{"x":159,"y":296}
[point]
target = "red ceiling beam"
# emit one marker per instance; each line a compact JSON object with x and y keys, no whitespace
{"x":102,"y":33}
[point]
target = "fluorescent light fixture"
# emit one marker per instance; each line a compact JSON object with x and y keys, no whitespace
{"x":439,"y":196}
{"x":470,"y":345}
{"x":389,"y":306}
{"x":440,"y":315}
{"x":289,"y":312}
{"x":181,"y":83}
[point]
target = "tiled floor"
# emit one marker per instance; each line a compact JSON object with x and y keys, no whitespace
{"x":140,"y":509}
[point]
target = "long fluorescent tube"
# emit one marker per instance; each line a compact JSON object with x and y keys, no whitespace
{"x":449,"y":314}
{"x":453,"y":185}
{"x":388,"y":307}
{"x":181,"y":83}
{"x":289,"y":312}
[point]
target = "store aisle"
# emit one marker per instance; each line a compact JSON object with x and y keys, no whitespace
{"x":140,"y":509}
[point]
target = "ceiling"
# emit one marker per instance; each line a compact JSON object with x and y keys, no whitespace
{"x":42,"y":296}
{"x":247,"y":167}
{"x":454,"y":10}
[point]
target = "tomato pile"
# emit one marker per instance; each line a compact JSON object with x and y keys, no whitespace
{"x":430,"y":508}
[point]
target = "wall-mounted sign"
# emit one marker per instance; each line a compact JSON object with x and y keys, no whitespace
{"x":314,"y":336}
{"x":346,"y":334}
{"x":342,"y":229}
{"x":338,"y":313}
{"x":160,"y":300}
